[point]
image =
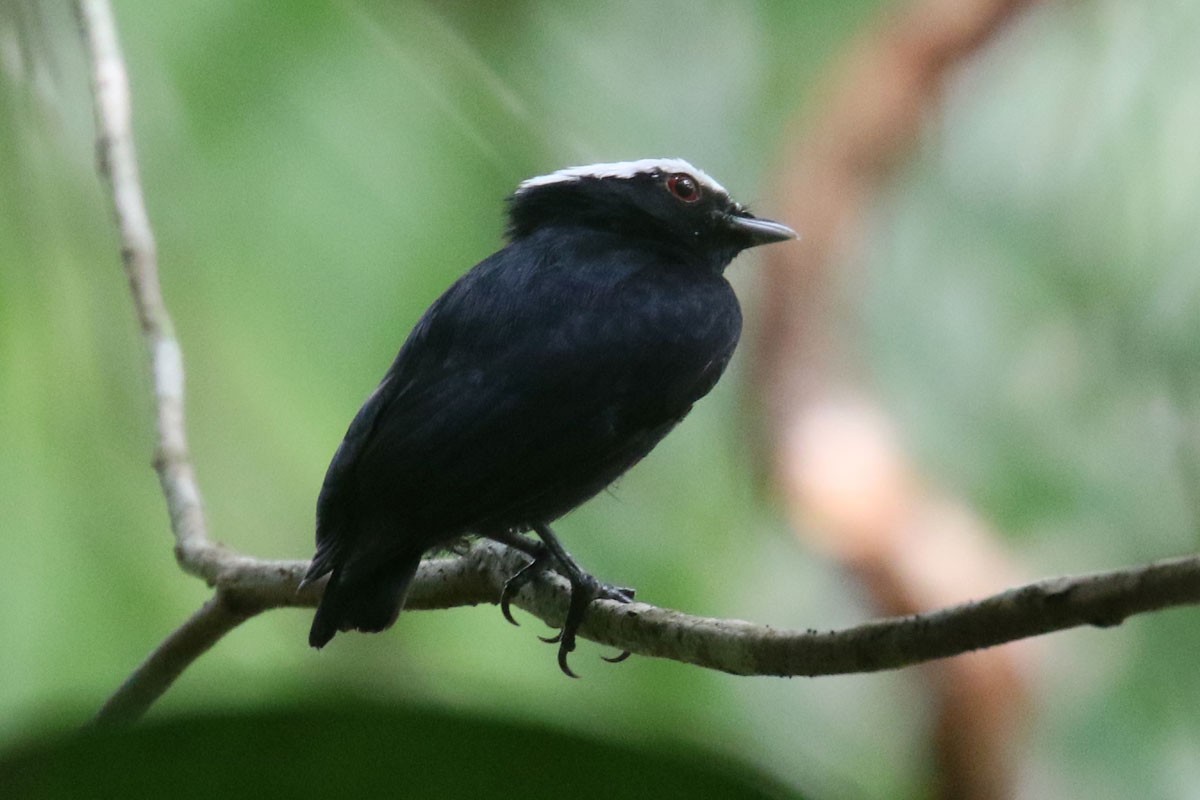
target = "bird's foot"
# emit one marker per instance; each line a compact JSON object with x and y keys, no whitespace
{"x":521,"y":577}
{"x":584,"y":589}
{"x":459,"y":547}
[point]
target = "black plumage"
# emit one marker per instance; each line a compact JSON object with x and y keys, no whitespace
{"x":538,"y":378}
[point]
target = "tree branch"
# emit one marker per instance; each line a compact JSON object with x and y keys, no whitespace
{"x":1102,"y":599}
{"x":247,"y":586}
{"x":117,"y":162}
{"x":186,"y":643}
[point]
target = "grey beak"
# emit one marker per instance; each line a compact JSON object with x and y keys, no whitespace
{"x":760,"y":231}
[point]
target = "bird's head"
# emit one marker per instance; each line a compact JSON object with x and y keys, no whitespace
{"x":665,"y":202}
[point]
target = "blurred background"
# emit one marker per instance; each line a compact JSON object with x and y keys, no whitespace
{"x":1009,"y":293}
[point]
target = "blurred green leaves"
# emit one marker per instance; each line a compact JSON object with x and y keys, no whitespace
{"x":359,"y":750}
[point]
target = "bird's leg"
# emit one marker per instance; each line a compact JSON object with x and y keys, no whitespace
{"x":536,"y":551}
{"x":584,"y":589}
{"x":528,"y":546}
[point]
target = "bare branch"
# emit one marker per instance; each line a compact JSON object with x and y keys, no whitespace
{"x":249,"y":586}
{"x":743,"y":648}
{"x":118,"y":166}
{"x":188,"y":642}
{"x":1101,"y":599}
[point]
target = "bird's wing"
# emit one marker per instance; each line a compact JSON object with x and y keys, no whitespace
{"x":332,"y":493}
{"x":528,"y":381}
{"x":522,"y":392}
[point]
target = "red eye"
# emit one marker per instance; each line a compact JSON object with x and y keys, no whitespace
{"x":684,"y":186}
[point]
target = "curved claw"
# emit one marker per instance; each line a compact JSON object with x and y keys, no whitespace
{"x":562,"y":662}
{"x":514,"y":584}
{"x":566,"y":637}
{"x":504,"y":610}
{"x":506,"y":597}
{"x":584,"y":589}
{"x":617,"y":659}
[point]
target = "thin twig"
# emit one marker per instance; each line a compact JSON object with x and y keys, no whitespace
{"x":1101,"y":599}
{"x":741,"y":648}
{"x":159,"y":671}
{"x":118,"y":166}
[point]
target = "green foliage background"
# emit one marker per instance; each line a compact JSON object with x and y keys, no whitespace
{"x":319,"y":171}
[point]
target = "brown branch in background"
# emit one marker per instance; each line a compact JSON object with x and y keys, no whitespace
{"x":844,"y":478}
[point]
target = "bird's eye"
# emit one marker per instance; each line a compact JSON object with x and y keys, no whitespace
{"x":684,"y":186}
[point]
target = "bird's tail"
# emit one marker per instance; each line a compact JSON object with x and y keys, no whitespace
{"x":367,"y":600}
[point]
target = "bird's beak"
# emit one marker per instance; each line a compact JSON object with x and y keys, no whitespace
{"x":759,"y":231}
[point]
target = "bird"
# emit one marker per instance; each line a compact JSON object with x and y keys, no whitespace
{"x":537,"y":379}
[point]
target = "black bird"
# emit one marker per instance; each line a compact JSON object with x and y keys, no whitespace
{"x":536,"y":380}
